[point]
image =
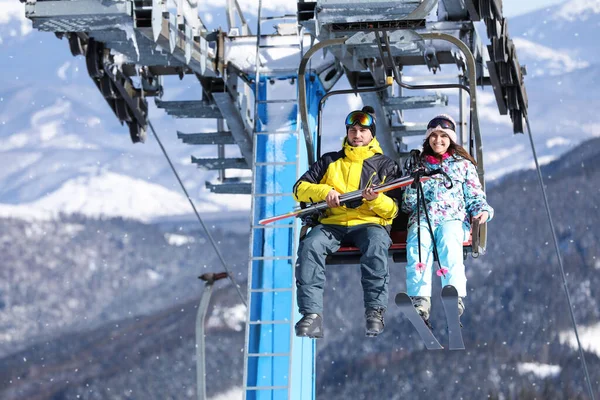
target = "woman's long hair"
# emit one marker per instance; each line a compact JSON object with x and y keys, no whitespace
{"x":453,"y":149}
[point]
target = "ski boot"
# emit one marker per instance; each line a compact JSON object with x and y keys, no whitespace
{"x":423,"y":306}
{"x":374,"y":321}
{"x":311,"y":325}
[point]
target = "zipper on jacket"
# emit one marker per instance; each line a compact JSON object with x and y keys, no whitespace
{"x":370,"y":181}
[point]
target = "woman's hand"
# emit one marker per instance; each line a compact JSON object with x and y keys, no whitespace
{"x":368,"y":194}
{"x":333,"y":199}
{"x":482,"y":217}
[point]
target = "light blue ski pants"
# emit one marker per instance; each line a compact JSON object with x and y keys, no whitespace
{"x":449,"y":237}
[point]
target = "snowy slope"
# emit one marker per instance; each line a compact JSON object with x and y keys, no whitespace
{"x":542,"y":60}
{"x":96,"y":196}
{"x":571,"y":26}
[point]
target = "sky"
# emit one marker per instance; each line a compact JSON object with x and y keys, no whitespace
{"x":517,"y":7}
{"x":511,"y":7}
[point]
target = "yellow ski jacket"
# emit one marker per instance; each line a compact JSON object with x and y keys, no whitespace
{"x":347,"y":170}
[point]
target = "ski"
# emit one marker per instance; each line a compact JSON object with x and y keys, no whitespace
{"x":406,"y":307}
{"x":344,"y":198}
{"x":450,"y":302}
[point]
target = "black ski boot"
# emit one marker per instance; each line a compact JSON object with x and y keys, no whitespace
{"x":375,"y":324}
{"x":311,"y":325}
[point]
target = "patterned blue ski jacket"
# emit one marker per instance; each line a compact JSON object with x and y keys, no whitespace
{"x":465,"y":199}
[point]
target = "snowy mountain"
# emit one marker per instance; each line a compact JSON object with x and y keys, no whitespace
{"x":96,"y":196}
{"x":58,"y":137}
{"x":571,"y":26}
{"x":62,"y":149}
{"x":105,"y":309}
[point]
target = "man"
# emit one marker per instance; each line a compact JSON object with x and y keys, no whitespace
{"x":358,"y":166}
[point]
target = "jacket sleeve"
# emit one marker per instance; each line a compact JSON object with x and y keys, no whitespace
{"x":308,"y":188}
{"x":392,"y":171}
{"x":409,"y":200}
{"x":475,"y":197}
{"x":384,"y":206}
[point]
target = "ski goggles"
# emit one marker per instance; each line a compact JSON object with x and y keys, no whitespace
{"x":361,"y":118}
{"x":443,"y":122}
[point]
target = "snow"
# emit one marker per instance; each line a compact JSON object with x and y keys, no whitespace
{"x":110,"y":194}
{"x":60,"y":109}
{"x":178,"y":240}
{"x":250,"y":7}
{"x":24,"y":213}
{"x":107,"y":194}
{"x":588,"y":336}
{"x":46,"y":130}
{"x":539,"y":369}
{"x":128,"y":28}
{"x":557,"y":141}
{"x":503,"y":154}
{"x":543,"y":161}
{"x":505,"y":168}
{"x":241,"y":51}
{"x":72,"y":229}
{"x":118,"y":60}
{"x":592,"y":129}
{"x":548,"y":61}
{"x":190,"y":14}
{"x":232,"y":317}
{"x":577,"y":10}
{"x":231,"y":394}
{"x":230,"y":202}
{"x":153,"y":275}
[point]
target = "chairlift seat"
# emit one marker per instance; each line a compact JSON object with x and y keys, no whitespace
{"x":349,"y":254}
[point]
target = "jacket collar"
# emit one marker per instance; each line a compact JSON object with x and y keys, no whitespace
{"x":362,"y":152}
{"x":432,"y":160}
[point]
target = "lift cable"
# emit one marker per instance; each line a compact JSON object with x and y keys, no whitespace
{"x":212,"y":241}
{"x":559,"y":257}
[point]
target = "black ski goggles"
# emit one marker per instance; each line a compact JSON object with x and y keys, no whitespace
{"x":361,"y":118}
{"x":443,"y":122}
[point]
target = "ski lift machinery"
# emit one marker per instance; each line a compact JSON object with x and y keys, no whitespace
{"x":373,"y":52}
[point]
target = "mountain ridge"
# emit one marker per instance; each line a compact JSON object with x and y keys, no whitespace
{"x":516,"y":326}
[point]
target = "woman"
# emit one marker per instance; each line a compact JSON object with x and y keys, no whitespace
{"x":449,"y":208}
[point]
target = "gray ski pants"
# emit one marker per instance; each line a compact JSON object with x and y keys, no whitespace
{"x":373,"y":240}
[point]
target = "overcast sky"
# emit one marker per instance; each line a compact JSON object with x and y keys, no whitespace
{"x":516,"y":7}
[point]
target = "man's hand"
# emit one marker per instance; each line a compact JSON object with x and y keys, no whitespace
{"x":333,"y":199}
{"x":368,"y":194}
{"x":482,"y":217}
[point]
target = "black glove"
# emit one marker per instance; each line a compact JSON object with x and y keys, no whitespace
{"x":417,"y":174}
{"x":353,"y":203}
